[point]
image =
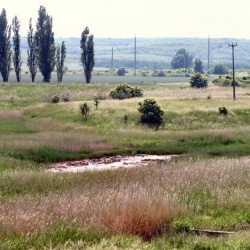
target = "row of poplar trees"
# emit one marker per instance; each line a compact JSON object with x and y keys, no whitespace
{"x":43,"y":55}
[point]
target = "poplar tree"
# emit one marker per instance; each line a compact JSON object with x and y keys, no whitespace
{"x":87,"y":56}
{"x":5,"y":46}
{"x":16,"y":48}
{"x":60,"y":58}
{"x":31,"y":61}
{"x":45,"y":44}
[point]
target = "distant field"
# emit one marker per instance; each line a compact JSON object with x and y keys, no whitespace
{"x":79,"y":78}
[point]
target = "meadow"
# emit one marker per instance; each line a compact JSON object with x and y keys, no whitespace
{"x":155,"y":207}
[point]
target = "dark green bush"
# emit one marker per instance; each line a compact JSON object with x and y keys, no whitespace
{"x":223,"y":111}
{"x":151,"y":113}
{"x":198,"y":81}
{"x":121,"y":71}
{"x":124,"y":90}
{"x":55,"y":98}
{"x":220,"y":69}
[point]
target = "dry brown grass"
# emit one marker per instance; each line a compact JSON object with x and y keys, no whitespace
{"x":139,"y":201}
{"x":113,"y":211}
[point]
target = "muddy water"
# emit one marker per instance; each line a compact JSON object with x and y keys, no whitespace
{"x":113,"y":162}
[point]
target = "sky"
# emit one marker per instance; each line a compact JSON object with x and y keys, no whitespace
{"x":145,"y":18}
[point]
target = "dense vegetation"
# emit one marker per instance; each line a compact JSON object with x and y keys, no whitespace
{"x":153,"y":53}
{"x":154,"y":207}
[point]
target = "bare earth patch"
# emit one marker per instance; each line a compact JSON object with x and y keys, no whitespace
{"x":105,"y":163}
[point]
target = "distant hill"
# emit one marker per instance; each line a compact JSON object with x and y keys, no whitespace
{"x":154,"y":53}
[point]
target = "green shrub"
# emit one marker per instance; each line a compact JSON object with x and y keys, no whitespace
{"x":223,"y":111}
{"x":65,"y":98}
{"x":220,"y":69}
{"x":182,"y":226}
{"x":84,"y":109}
{"x":151,"y":113}
{"x":55,"y":98}
{"x":227,"y":81}
{"x":124,"y":90}
{"x":198,"y":81}
{"x":121,"y":71}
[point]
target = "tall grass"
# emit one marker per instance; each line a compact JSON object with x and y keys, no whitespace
{"x":139,"y":201}
{"x":42,"y":210}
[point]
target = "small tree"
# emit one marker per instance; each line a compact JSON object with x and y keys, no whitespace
{"x":16,"y":48}
{"x":151,"y":113}
{"x":198,"y":67}
{"x":5,"y":46}
{"x":84,"y":109}
{"x":96,"y":102}
{"x":31,"y":61}
{"x":88,"y":55}
{"x":198,"y":81}
{"x":60,"y":58}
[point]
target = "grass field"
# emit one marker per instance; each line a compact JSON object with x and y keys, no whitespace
{"x":154,"y":207}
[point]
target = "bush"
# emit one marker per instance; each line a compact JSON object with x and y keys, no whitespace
{"x":151,"y":113}
{"x":124,"y":90}
{"x":66,"y":98}
{"x":223,"y":111}
{"x":55,"y":98}
{"x":227,"y":81}
{"x":198,"y":81}
{"x":84,"y":109}
{"x":121,"y":71}
{"x":220,"y":69}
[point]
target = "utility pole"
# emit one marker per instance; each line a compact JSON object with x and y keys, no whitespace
{"x":135,"y":57}
{"x":208,"y":53}
{"x":233,"y":45}
{"x":112,"y":59}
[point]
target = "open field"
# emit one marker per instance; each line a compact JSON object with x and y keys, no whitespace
{"x":152,"y":207}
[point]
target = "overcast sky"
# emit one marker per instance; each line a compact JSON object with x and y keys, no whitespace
{"x":146,"y":18}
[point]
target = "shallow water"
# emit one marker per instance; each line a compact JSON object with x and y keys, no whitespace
{"x":112,"y":162}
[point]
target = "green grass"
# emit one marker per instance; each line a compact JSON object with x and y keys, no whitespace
{"x":206,"y":187}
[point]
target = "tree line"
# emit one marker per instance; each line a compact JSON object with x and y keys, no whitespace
{"x":43,"y":54}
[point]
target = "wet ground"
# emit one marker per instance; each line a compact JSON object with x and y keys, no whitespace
{"x":112,"y":162}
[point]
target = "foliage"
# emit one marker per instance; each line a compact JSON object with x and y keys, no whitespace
{"x":60,"y":58}
{"x":65,"y":97}
{"x":227,"y":81}
{"x":198,"y":81}
{"x":182,"y":226}
{"x":16,"y":48}
{"x":220,"y":69}
{"x":223,"y":111}
{"x":84,"y":109}
{"x":161,"y":73}
{"x":31,"y":60}
{"x":151,"y":113}
{"x":182,"y":59}
{"x":121,"y":71}
{"x":198,"y":67}
{"x":45,"y":45}
{"x":88,"y":55}
{"x":125,"y":90}
{"x":5,"y":46}
{"x":55,"y":98}
{"x":96,"y":102}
